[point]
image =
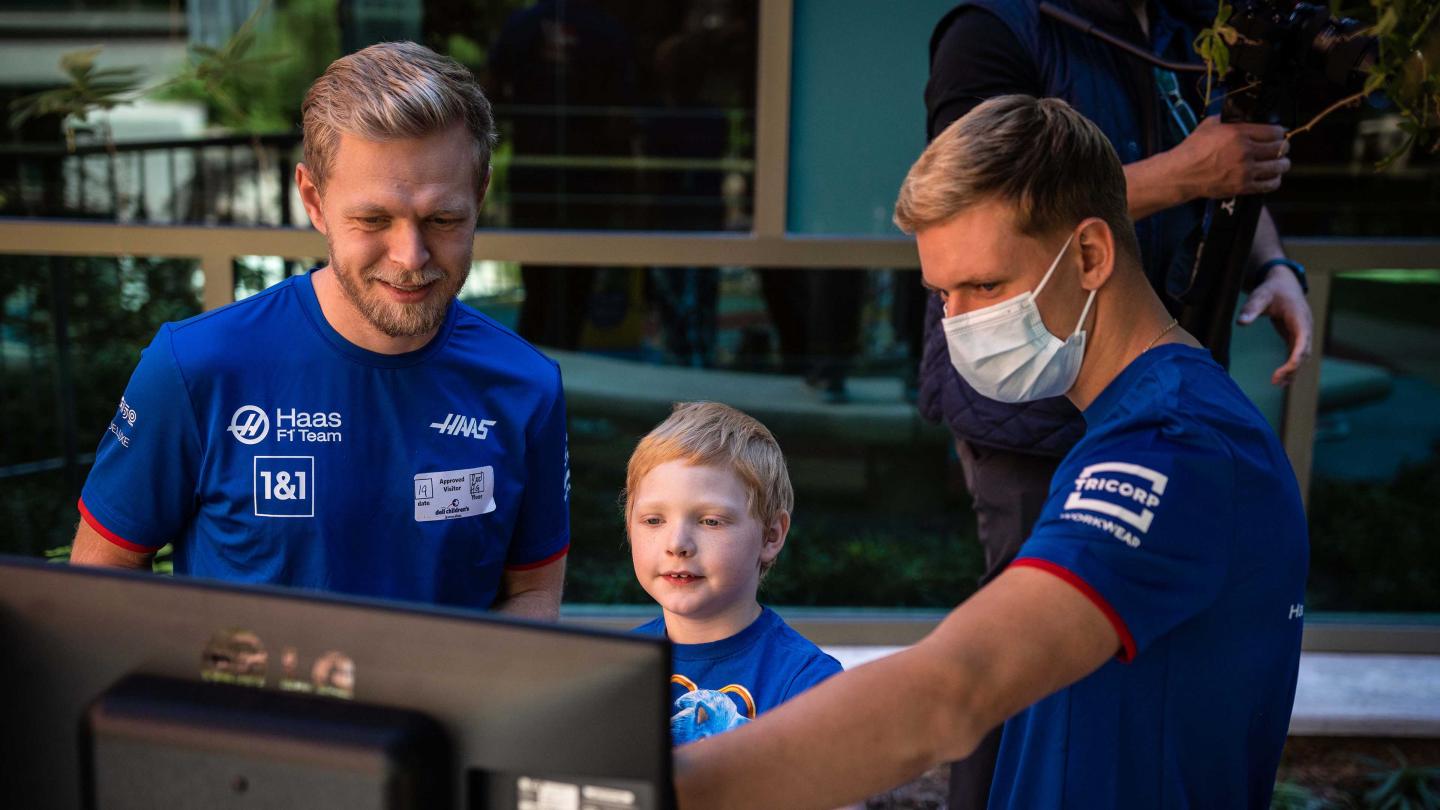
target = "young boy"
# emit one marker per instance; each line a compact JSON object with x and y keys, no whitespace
{"x":707,"y":508}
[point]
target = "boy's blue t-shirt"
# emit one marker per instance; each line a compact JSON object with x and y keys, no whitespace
{"x":1178,"y":515}
{"x":758,"y":668}
{"x":269,"y":449}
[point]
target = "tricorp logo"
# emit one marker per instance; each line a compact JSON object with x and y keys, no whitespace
{"x":1117,"y":489}
{"x":249,"y":424}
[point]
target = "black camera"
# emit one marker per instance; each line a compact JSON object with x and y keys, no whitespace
{"x":1279,"y":45}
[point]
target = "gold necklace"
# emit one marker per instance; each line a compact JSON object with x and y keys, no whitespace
{"x":1173,"y":323}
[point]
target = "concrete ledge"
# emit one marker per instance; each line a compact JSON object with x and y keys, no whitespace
{"x":877,"y":413}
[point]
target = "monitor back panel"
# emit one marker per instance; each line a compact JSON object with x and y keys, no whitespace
{"x":526,"y":706}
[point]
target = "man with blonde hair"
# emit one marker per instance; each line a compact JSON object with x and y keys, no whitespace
{"x":354,"y":429}
{"x":1142,"y":649}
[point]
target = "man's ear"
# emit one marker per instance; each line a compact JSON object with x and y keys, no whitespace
{"x":310,"y":196}
{"x":774,"y":538}
{"x":484,"y":189}
{"x":1097,"y":253}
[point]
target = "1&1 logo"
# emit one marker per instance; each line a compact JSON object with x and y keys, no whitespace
{"x":249,"y":424}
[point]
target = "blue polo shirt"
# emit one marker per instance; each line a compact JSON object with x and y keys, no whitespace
{"x":1179,"y":517}
{"x":269,"y":449}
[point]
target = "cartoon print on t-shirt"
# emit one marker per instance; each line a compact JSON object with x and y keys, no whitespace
{"x":704,"y":713}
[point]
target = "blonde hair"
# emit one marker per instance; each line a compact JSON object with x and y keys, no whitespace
{"x":712,"y":434}
{"x":1049,"y":161}
{"x":394,"y":90}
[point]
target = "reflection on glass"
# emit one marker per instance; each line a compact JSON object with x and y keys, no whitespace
{"x":611,"y":114}
{"x":880,"y":518}
{"x":71,"y":331}
{"x":1377,"y":446}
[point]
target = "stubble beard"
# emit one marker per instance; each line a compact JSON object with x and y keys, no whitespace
{"x":394,"y":319}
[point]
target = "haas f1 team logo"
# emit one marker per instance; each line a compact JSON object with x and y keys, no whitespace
{"x":457,"y":425}
{"x":249,"y":424}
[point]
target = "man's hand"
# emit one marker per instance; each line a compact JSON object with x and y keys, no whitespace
{"x":1281,"y":298}
{"x":1219,"y":161}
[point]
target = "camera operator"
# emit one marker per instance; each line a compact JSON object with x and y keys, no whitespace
{"x":987,"y":48}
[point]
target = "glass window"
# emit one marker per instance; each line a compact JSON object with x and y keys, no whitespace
{"x":611,"y":115}
{"x":857,"y":110}
{"x":881,"y":517}
{"x":1376,"y":476}
{"x":847,"y":161}
{"x":71,"y":331}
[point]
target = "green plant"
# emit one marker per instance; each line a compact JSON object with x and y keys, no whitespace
{"x":1404,"y":787}
{"x":1346,"y":517}
{"x":1212,"y":45}
{"x":89,"y":90}
{"x":1407,"y":69}
{"x":1295,"y":796}
{"x":220,"y":75}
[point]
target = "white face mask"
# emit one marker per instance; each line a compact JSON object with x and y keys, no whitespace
{"x":1005,"y":352}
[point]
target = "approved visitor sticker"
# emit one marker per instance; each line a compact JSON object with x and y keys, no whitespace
{"x":454,"y":494}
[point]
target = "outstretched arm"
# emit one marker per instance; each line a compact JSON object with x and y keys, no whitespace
{"x":1019,"y":639}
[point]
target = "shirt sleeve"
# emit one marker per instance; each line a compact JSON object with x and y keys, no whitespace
{"x":978,"y":58}
{"x":140,"y":494}
{"x":1144,"y":531}
{"x":542,"y":533}
{"x":817,"y":669}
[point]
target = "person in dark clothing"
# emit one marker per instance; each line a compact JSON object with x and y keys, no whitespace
{"x":988,"y":48}
{"x":553,"y":66}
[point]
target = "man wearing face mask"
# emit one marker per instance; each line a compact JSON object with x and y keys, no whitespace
{"x":984,"y":48}
{"x":1144,"y":644}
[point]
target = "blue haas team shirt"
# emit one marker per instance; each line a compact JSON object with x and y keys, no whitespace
{"x":1179,"y":517}
{"x":758,"y":668}
{"x":269,"y":449}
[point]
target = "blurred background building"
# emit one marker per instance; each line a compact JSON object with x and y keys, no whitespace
{"x":713,"y":180}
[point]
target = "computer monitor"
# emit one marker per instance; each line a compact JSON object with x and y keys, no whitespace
{"x":109,"y":672}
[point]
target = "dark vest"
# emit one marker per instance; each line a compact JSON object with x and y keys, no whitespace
{"x":1116,"y":92}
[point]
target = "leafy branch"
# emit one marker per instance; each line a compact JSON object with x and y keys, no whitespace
{"x":219,"y":76}
{"x":1213,"y":46}
{"x":90,"y":89}
{"x":1406,"y":71}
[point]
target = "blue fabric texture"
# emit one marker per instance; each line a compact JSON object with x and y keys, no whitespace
{"x":1179,"y":516}
{"x":758,"y":668}
{"x":1105,"y":86}
{"x":269,"y":449}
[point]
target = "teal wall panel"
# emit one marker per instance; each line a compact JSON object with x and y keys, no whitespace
{"x":857,"y":109}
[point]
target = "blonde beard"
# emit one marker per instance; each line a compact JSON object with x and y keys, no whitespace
{"x":400,"y":320}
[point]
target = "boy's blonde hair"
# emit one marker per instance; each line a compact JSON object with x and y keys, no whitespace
{"x":716,"y":435}
{"x":390,"y":91}
{"x":1038,"y":154}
